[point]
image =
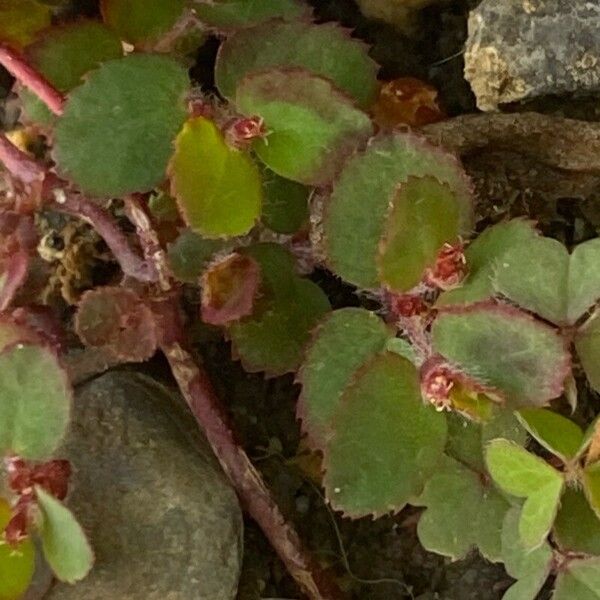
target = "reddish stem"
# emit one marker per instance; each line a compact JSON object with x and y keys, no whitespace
{"x":256,"y":498}
{"x":20,"y":164}
{"x":17,"y":66}
{"x":15,"y":275}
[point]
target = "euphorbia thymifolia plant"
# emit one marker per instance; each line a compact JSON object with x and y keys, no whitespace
{"x":432,"y":400}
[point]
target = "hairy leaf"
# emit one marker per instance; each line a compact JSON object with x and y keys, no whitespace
{"x":285,"y":206}
{"x":356,"y":215}
{"x":578,"y":580}
{"x":312,"y":127}
{"x":117,"y":319}
{"x":343,"y":342}
{"x":531,"y":568}
{"x":326,"y":50}
{"x":426,"y":206}
{"x":577,"y":528}
{"x":482,"y":256}
{"x":229,"y":288}
{"x":235,"y":14}
{"x":273,"y":337}
{"x":386,"y":442}
{"x":506,"y":349}
{"x":524,"y":475}
{"x":115,"y":136}
{"x":218,"y":188}
{"x":21,"y":20}
{"x":138,"y":21}
{"x":587,"y":343}
{"x":553,"y":431}
{"x":16,"y":563}
{"x":591,"y":486}
{"x":584,"y":279}
{"x":35,"y":401}
{"x":190,"y":253}
{"x":64,"y":543}
{"x":456,"y":495}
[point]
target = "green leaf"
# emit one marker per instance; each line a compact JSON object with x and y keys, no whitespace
{"x":190,"y":253}
{"x":163,"y":208}
{"x":273,"y":337}
{"x":115,"y":136}
{"x":356,"y":216}
{"x":426,"y":206}
{"x":386,"y":442}
{"x":591,"y":486}
{"x":505,"y":349}
{"x":531,"y":568}
{"x":584,"y":279}
{"x":553,"y":431}
{"x":312,"y":127}
{"x":587,"y":343}
{"x":218,"y":188}
{"x":577,"y":528}
{"x":579,"y":580}
{"x":344,"y":341}
{"x":285,"y":206}
{"x":35,"y":401}
{"x":454,"y":496}
{"x":327,"y":50}
{"x":402,"y":347}
{"x":483,"y":255}
{"x":138,"y":21}
{"x":234,"y":14}
{"x":524,"y":475}
{"x":17,"y":564}
{"x":64,"y":543}
{"x":21,"y":20}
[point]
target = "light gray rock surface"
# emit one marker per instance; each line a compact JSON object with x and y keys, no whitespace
{"x":519,"y":49}
{"x":161,"y":516}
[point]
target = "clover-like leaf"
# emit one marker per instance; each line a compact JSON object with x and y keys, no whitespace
{"x":530,"y":567}
{"x":115,"y":136}
{"x":138,"y":21}
{"x":273,"y":337}
{"x":218,"y":188}
{"x":356,"y":215}
{"x":343,"y":342}
{"x":539,"y":275}
{"x":453,"y":496}
{"x":17,"y":563}
{"x":312,"y":127}
{"x":556,"y":433}
{"x":190,"y":253}
{"x":117,"y":319}
{"x":524,"y":475}
{"x":386,"y":442}
{"x":482,"y":256}
{"x":591,"y":486}
{"x":21,"y":20}
{"x":576,"y":528}
{"x":505,"y":349}
{"x":285,"y":205}
{"x":587,"y":343}
{"x":327,"y":50}
{"x":578,"y":580}
{"x":65,"y":546}
{"x":35,"y":401}
{"x":229,"y":288}
{"x":426,"y":206}
{"x":235,"y":14}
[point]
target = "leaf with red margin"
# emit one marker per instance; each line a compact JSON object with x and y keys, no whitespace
{"x":506,"y":349}
{"x":118,"y":319}
{"x":229,"y":288}
{"x":386,"y":442}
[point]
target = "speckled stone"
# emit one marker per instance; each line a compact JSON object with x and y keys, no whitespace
{"x":520,"y":49}
{"x":161,"y":516}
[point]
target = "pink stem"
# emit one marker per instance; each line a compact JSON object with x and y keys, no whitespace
{"x":20,"y":164}
{"x":17,"y":66}
{"x":256,"y":498}
{"x":15,"y":275}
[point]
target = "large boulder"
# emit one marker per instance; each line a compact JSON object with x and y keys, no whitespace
{"x":162,"y":518}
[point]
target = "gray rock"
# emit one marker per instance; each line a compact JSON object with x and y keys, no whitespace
{"x":161,"y":516}
{"x":520,"y":49}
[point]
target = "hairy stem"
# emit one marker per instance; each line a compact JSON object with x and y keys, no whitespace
{"x":254,"y":495}
{"x":25,"y":74}
{"x":18,"y":163}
